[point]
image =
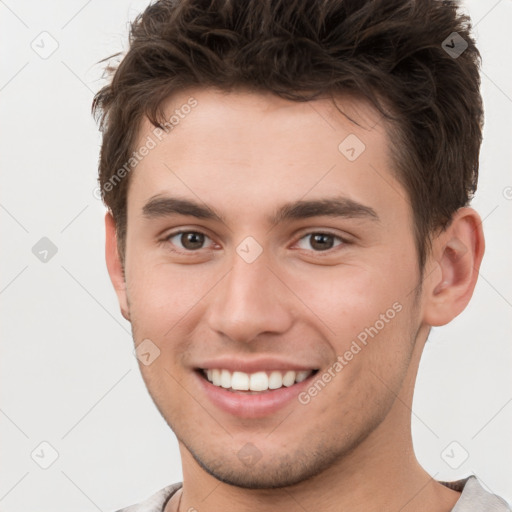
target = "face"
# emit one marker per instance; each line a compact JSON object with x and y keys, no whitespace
{"x":262,"y":241}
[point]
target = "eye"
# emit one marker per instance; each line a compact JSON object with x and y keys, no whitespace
{"x":187,"y":241}
{"x":319,"y":241}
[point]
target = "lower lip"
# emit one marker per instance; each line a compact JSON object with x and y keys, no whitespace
{"x":246,"y":405}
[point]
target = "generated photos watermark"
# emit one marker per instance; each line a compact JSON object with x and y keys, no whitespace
{"x":150,"y":143}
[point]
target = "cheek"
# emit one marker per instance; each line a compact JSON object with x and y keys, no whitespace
{"x":349,"y":299}
{"x":161,"y":294}
{"x":371,"y":318}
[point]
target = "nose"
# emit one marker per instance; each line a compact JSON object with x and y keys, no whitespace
{"x":249,"y":301}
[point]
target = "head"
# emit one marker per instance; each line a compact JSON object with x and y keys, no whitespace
{"x":331,"y":151}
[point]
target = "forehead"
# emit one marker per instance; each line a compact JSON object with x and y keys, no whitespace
{"x":214,"y":115}
{"x":244,"y":149}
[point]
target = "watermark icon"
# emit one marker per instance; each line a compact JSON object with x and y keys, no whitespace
{"x":249,"y":249}
{"x":455,"y":455}
{"x":249,"y":454}
{"x":351,"y":147}
{"x":44,"y":250}
{"x":356,"y":346}
{"x":507,"y":193}
{"x":454,"y":45}
{"x":150,"y":143}
{"x":45,"y":45}
{"x":44,"y":455}
{"x":146,"y":352}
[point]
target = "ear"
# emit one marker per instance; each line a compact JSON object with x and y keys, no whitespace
{"x":114,"y":266}
{"x":456,"y":256}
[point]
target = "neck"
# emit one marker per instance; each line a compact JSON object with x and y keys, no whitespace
{"x":376,"y":476}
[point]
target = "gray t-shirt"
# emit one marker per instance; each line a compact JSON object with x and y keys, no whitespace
{"x":474,"y":498}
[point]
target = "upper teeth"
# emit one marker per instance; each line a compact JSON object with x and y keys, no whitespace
{"x":259,"y":381}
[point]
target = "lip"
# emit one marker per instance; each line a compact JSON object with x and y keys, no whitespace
{"x":245,"y":405}
{"x":254,"y":365}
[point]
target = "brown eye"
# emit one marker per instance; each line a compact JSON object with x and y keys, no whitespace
{"x":188,"y":240}
{"x":319,"y":241}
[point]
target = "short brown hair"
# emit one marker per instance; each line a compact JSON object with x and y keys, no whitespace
{"x":395,"y":53}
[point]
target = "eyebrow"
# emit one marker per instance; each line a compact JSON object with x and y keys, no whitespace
{"x":165,"y":206}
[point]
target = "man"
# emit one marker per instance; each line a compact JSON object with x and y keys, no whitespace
{"x":288,"y":186}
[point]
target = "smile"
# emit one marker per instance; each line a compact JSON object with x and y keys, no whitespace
{"x":257,"y":382}
{"x":263,"y":393}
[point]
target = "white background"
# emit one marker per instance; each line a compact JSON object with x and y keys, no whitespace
{"x":68,"y":373}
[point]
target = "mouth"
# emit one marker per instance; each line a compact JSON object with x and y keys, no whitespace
{"x":254,"y":383}
{"x":262,"y":393}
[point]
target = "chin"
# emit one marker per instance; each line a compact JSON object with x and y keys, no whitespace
{"x":277,"y":472}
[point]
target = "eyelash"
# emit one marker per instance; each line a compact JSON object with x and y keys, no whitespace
{"x":343,"y":241}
